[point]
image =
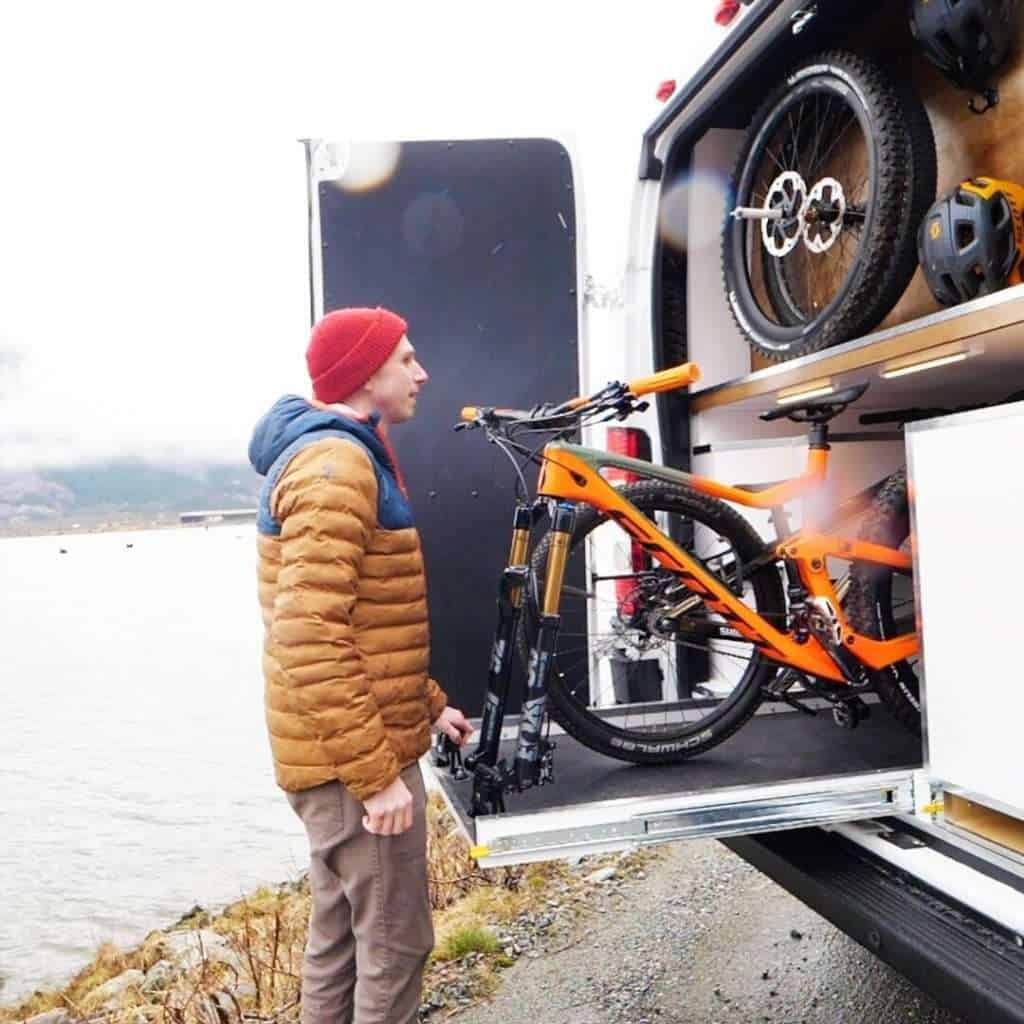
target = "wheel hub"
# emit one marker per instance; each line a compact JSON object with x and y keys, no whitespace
{"x":787,"y":195}
{"x":823,"y":215}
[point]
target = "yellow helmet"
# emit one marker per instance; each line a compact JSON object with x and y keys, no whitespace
{"x":971,"y":241}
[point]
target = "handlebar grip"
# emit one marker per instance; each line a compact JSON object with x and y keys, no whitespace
{"x":672,"y":379}
{"x":471,"y":413}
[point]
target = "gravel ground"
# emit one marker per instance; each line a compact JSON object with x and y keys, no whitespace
{"x":700,"y":937}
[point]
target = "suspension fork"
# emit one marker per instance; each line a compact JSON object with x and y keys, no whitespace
{"x":532,"y":760}
{"x":511,"y":592}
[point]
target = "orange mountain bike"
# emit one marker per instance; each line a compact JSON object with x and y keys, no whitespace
{"x":652,"y":618}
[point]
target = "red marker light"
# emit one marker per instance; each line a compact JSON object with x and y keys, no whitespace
{"x":727,"y":10}
{"x":666,"y":89}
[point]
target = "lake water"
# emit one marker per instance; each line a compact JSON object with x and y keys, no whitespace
{"x":135,"y":773}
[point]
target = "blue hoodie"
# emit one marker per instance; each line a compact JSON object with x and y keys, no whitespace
{"x":293,"y":424}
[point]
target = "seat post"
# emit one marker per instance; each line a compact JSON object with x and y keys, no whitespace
{"x":819,"y":437}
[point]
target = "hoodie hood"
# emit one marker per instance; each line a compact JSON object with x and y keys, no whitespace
{"x":292,"y":416}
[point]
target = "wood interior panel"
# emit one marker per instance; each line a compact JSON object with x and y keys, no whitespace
{"x":983,"y":821}
{"x":967,"y":145}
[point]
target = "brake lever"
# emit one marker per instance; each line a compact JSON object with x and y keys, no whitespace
{"x":625,"y":408}
{"x":542,"y":409}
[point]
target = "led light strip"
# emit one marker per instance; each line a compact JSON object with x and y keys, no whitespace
{"x":928,"y":359}
{"x":810,"y":389}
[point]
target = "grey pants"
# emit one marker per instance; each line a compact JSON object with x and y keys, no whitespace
{"x":370,"y":930}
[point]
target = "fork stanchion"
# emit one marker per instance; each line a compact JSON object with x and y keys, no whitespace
{"x":510,"y":602}
{"x":532,"y":764}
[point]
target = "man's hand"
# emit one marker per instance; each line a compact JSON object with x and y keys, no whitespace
{"x":452,"y":722}
{"x":389,"y":812}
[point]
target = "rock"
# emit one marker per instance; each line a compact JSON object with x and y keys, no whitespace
{"x":58,"y":1016}
{"x":794,"y":934}
{"x":159,"y":976}
{"x":109,"y":992}
{"x":189,"y":948}
{"x":210,"y":1011}
{"x":603,"y":875}
{"x":194,"y":912}
{"x":224,"y":1008}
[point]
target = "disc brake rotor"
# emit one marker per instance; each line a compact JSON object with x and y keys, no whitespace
{"x":823,"y":215}
{"x":787,"y":194}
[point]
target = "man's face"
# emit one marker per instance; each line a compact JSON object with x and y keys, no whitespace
{"x":394,"y":387}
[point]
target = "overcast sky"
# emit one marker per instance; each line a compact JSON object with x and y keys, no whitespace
{"x":153,"y":266}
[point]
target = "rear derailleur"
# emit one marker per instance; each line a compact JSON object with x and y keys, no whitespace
{"x":848,"y":709}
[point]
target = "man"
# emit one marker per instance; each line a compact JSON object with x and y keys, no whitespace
{"x":349,"y":704}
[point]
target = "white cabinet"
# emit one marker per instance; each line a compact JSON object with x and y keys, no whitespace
{"x":967,"y":487}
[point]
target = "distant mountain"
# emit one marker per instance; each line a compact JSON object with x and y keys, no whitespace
{"x":127,"y":491}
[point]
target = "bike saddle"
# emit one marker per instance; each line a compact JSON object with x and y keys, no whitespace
{"x":817,"y":410}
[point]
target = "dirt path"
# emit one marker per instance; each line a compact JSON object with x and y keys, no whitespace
{"x":703,"y":938}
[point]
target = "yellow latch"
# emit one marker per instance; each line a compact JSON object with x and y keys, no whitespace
{"x":476,"y":852}
{"x":935,"y":807}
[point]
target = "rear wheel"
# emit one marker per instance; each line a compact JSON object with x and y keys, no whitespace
{"x":880,"y":602}
{"x":643,"y":670}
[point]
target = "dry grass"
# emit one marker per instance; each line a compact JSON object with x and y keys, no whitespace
{"x":452,"y":873}
{"x":267,"y":933}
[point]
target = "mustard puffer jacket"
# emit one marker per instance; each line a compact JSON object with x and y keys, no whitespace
{"x":343,"y":595}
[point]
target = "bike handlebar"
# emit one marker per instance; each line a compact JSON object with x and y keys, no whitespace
{"x":672,"y":379}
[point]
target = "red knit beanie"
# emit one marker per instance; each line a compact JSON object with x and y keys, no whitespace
{"x":347,"y":347}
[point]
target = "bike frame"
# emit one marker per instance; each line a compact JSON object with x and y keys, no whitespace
{"x":572,"y":474}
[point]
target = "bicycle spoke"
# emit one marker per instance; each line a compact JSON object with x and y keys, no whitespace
{"x":821,"y":123}
{"x":799,"y":125}
{"x":775,"y":160}
{"x":823,"y":160}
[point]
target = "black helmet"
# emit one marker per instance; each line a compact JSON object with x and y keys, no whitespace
{"x":966,"y":39}
{"x":971,"y":240}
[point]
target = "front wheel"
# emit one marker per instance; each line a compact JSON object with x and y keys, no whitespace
{"x":837,"y":171}
{"x":643,"y":670}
